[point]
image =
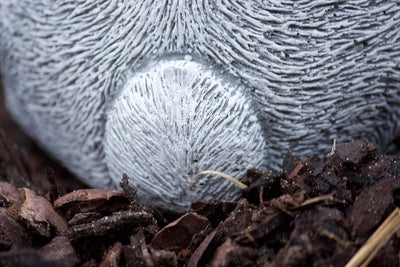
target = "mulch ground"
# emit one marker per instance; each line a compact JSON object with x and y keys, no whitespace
{"x":318,"y":211}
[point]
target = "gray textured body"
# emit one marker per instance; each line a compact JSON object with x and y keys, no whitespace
{"x":299,"y":72}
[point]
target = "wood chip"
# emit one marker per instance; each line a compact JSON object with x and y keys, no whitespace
{"x":38,"y":214}
{"x":182,"y":229}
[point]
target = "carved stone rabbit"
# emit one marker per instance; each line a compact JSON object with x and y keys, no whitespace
{"x":161,"y":90}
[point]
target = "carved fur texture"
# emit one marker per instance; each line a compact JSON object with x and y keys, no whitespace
{"x":163,"y":89}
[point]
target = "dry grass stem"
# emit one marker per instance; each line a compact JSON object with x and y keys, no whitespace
{"x":223,"y":175}
{"x":312,"y":201}
{"x":378,"y":239}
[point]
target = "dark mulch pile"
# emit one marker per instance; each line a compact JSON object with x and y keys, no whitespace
{"x":316,"y":212}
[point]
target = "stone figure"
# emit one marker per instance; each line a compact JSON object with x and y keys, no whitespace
{"x":161,"y":90}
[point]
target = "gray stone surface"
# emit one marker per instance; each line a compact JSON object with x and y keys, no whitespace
{"x":164,"y":89}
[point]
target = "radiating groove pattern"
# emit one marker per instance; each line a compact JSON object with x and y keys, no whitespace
{"x":202,"y":121}
{"x":315,"y":70}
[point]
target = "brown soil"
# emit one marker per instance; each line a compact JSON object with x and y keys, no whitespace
{"x":315,"y":212}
